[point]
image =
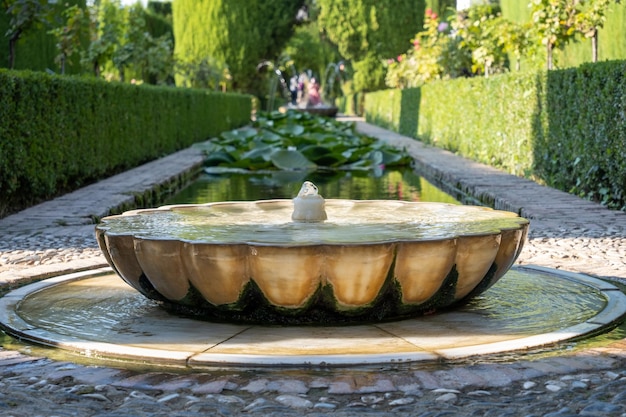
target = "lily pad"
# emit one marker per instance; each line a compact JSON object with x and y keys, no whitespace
{"x":297,"y":141}
{"x":291,"y":160}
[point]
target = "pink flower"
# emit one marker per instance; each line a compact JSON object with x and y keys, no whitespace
{"x":400,"y":58}
{"x":430,"y":14}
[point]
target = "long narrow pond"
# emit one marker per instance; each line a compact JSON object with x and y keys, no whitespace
{"x":356,"y":185}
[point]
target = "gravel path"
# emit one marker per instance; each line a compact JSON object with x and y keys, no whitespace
{"x":566,"y":233}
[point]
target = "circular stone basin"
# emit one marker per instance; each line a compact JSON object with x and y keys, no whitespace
{"x":371,"y":260}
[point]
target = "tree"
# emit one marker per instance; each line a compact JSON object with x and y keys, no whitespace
{"x":429,"y":57}
{"x":69,"y":37}
{"x":554,"y":21}
{"x":369,"y":31}
{"x":518,"y":39}
{"x":308,"y":50}
{"x":237,"y":34}
{"x":150,"y":58}
{"x":24,"y":15}
{"x":590,"y":17}
{"x":480,"y":31}
{"x":106,"y":28}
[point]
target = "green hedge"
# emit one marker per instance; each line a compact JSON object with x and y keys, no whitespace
{"x":59,"y":133}
{"x":351,"y":104}
{"x":565,"y":128}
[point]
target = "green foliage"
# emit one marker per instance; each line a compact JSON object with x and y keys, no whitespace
{"x":158,"y":17}
{"x":427,"y":59}
{"x":565,"y":128}
{"x":146,"y":57}
{"x":480,"y":31}
{"x":369,"y":74}
{"x":361,"y":27}
{"x":24,"y":16}
{"x":238,"y":34}
{"x":106,"y":32}
{"x":298,"y":141}
{"x":555,"y":23}
{"x":35,"y":47}
{"x":58,"y":133}
{"x":70,"y":36}
{"x":205,"y":73}
{"x":473,"y":42}
{"x":444,"y":8}
{"x":582,"y":146}
{"x":306,"y":49}
{"x":351,"y":104}
{"x":369,"y":31}
{"x":611,"y":42}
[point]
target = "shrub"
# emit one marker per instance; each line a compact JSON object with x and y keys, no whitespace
{"x":565,"y":128}
{"x":59,"y":133}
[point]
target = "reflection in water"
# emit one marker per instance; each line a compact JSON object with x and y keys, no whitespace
{"x":354,"y":185}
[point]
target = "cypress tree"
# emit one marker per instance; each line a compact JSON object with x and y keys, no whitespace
{"x":368,"y":31}
{"x":236,"y":33}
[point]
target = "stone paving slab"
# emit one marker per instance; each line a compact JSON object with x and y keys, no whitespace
{"x":97,"y":200}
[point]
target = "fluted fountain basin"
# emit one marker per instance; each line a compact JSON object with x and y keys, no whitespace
{"x":371,"y":260}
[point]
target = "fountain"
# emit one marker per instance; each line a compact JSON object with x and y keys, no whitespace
{"x":311,"y":260}
{"x":302,"y":91}
{"x":269,"y":283}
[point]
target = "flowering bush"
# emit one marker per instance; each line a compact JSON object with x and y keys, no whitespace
{"x":424,"y":62}
{"x":472,"y":43}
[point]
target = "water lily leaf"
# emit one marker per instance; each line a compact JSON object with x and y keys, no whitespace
{"x":246,"y":132}
{"x":307,"y":141}
{"x":230,"y":136}
{"x":315,"y":151}
{"x":276,"y":115}
{"x":207,"y":146}
{"x":263,"y":153}
{"x":252,"y":165}
{"x":291,"y":160}
{"x":323,"y":156}
{"x":376,"y":157}
{"x":291,"y":130}
{"x":392,"y":158}
{"x":219,"y":157}
{"x":267,"y":136}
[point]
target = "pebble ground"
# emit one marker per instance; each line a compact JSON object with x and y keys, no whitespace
{"x":566,"y":233}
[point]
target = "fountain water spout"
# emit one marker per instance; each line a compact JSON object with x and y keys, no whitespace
{"x":308,"y":206}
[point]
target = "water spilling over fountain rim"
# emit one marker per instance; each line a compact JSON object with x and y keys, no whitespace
{"x":611,"y":315}
{"x":397,"y":221}
{"x":372,"y":260}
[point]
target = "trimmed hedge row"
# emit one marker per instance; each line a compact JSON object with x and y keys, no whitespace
{"x":59,"y":133}
{"x":351,"y":104}
{"x":564,"y":128}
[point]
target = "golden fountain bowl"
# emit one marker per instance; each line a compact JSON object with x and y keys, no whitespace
{"x":372,"y":260}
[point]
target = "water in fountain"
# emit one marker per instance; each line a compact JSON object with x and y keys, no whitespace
{"x":98,"y":312}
